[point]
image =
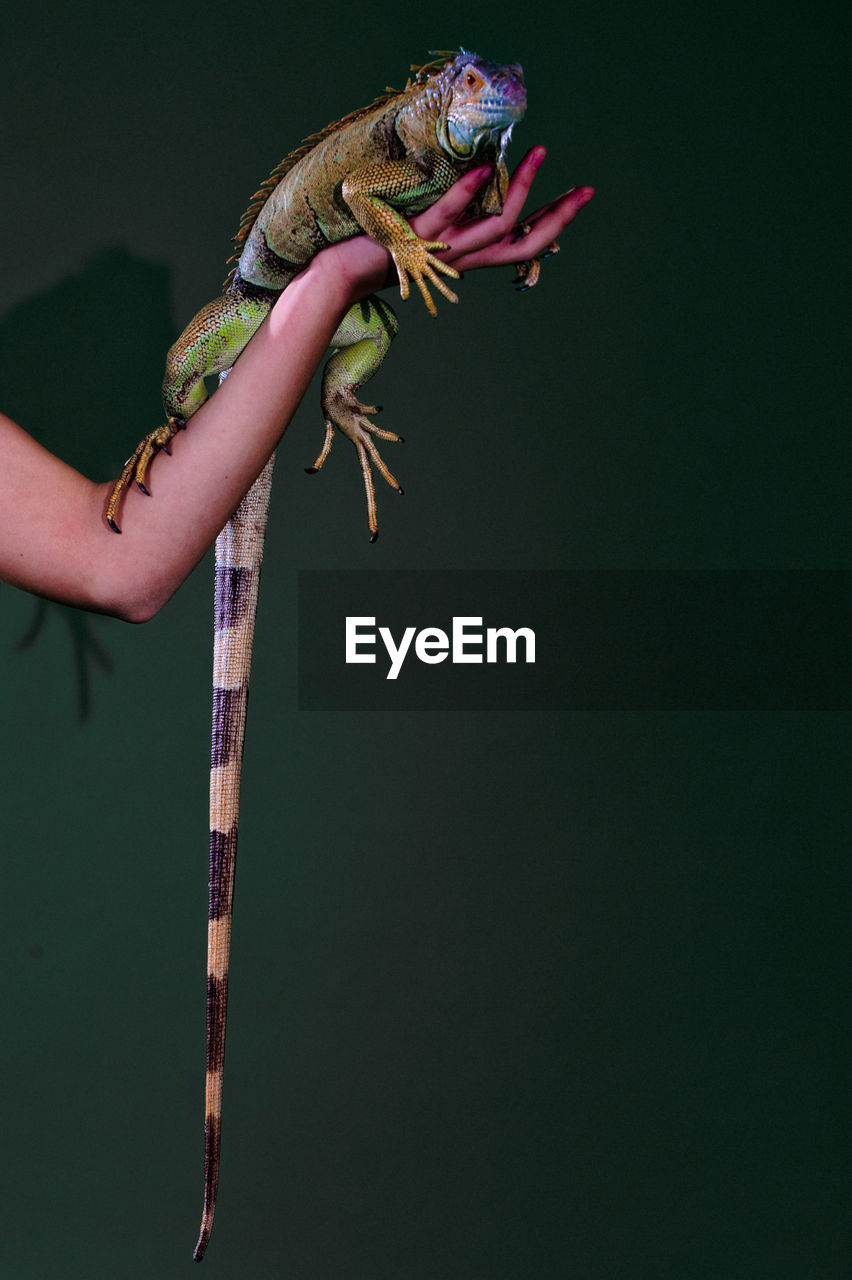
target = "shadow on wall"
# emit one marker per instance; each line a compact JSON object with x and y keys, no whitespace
{"x":80,"y":368}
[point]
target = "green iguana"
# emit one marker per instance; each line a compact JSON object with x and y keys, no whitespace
{"x":364,"y":173}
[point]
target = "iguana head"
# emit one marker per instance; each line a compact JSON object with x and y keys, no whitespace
{"x":480,"y":102}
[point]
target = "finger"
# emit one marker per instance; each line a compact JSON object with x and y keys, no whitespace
{"x":522,"y":229}
{"x":521,"y":181}
{"x":485,"y":230}
{"x":545,"y":226}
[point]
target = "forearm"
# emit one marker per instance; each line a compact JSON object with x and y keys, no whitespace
{"x":53,"y":536}
{"x":54,"y":539}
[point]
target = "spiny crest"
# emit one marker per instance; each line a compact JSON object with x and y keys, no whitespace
{"x":258,"y":200}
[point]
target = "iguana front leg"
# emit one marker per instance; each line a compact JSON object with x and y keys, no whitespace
{"x":375,"y":194}
{"x":528,"y":272}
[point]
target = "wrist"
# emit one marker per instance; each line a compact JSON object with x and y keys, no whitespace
{"x":325,"y":273}
{"x":352,"y":269}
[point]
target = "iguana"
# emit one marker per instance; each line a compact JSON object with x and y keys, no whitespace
{"x":365,"y":172}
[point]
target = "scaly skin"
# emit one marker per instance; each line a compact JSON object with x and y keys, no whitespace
{"x":365,"y":173}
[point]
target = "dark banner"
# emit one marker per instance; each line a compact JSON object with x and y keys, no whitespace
{"x":608,"y":640}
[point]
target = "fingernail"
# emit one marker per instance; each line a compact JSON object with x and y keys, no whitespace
{"x":537,"y":156}
{"x":586,"y":196}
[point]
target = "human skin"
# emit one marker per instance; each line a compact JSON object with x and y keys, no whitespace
{"x":54,"y":540}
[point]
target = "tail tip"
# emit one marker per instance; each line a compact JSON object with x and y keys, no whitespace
{"x":203,"y":1239}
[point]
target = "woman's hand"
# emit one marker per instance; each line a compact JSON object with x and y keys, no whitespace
{"x":493,"y":241}
{"x":53,"y":539}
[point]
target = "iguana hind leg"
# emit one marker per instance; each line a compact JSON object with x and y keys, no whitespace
{"x":209,"y":344}
{"x":361,"y":343}
{"x":136,"y":466}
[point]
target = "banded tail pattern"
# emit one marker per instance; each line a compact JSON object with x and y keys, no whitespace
{"x":239,"y":550}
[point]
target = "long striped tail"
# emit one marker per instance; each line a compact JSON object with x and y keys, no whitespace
{"x":239,"y":550}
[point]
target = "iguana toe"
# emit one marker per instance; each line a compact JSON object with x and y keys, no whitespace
{"x":414,"y":258}
{"x":136,"y":467}
{"x":347,"y":413}
{"x":528,"y":273}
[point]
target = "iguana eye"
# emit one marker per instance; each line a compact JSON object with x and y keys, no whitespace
{"x":471,"y":79}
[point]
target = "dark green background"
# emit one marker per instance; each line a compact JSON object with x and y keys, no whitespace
{"x":513,"y":995}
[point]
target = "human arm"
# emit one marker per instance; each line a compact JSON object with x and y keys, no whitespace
{"x":53,"y":537}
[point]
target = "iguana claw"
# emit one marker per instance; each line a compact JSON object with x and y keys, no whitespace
{"x":348,"y":414}
{"x":529,"y":272}
{"x":136,"y":467}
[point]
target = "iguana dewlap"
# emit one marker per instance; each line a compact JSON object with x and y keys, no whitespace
{"x":367,"y":172}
